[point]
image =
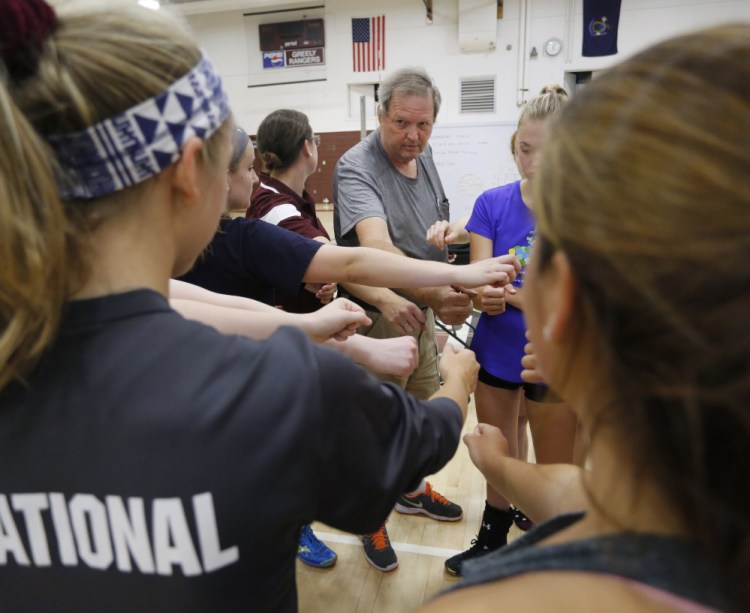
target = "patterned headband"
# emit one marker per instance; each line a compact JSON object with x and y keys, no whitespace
{"x":141,"y":142}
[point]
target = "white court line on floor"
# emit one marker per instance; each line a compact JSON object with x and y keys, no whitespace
{"x":348,"y":539}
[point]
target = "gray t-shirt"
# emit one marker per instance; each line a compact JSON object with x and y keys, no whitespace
{"x":366,"y":184}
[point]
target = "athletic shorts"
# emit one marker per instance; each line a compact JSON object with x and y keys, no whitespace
{"x":532,"y":391}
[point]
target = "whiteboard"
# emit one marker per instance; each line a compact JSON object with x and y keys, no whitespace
{"x":472,"y":158}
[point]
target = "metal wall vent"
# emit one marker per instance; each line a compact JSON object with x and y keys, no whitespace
{"x":478,"y":95}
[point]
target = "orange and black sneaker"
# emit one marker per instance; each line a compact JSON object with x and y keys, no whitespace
{"x":378,"y":550}
{"x":429,"y":503}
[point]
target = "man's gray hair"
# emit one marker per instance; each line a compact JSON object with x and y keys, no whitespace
{"x":408,"y":82}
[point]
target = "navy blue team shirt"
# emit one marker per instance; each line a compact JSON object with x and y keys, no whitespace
{"x":252,"y":258}
{"x":150,"y":463}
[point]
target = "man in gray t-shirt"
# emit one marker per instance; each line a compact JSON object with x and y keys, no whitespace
{"x":367,"y":184}
{"x":387,"y":193}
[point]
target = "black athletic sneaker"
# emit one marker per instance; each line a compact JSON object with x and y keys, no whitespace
{"x":378,"y":550}
{"x":477,"y":549}
{"x":493,"y":534}
{"x":429,"y":503}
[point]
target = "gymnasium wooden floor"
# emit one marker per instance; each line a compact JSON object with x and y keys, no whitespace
{"x":422,"y":545}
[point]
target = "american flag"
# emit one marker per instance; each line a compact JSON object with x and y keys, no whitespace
{"x":368,"y":44}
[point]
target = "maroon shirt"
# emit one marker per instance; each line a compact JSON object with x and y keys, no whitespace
{"x":275,"y":203}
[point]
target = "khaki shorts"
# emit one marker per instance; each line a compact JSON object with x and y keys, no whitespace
{"x":425,"y":380}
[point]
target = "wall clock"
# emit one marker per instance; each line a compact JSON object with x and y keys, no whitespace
{"x":552,"y":47}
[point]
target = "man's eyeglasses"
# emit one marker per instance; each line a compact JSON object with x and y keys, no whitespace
{"x":316,"y":139}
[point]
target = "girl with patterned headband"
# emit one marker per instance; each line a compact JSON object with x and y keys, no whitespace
{"x":148,"y":462}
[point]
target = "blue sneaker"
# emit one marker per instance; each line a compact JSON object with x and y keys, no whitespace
{"x":313,"y":551}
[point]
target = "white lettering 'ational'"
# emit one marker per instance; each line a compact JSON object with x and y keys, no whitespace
{"x":31,"y":506}
{"x":170,"y":526}
{"x":90,"y":527}
{"x":129,"y":534}
{"x":63,"y":530}
{"x":10,"y":539}
{"x":99,"y":533}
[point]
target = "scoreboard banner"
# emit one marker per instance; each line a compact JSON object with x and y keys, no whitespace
{"x":293,"y":57}
{"x":305,"y":57}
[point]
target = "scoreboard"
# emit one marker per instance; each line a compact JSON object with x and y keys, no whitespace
{"x":304,"y":34}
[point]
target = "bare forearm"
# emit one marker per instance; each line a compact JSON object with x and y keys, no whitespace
{"x":379,"y":297}
{"x":416,"y":278}
{"x":187,"y":291}
{"x":229,"y":320}
{"x":383,"y":245}
{"x":418,"y":291}
{"x":370,"y":267}
{"x":424,"y":295}
{"x":541,"y":490}
{"x":371,"y":295}
{"x":372,"y":232}
{"x":378,"y":268}
{"x":350,"y":347}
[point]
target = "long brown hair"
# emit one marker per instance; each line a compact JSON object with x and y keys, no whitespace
{"x":643,"y":185}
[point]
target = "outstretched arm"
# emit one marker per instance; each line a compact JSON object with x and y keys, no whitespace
{"x":376,"y":267}
{"x":458,"y":370}
{"x":490,"y":299}
{"x":235,"y":315}
{"x":181,"y":290}
{"x":338,"y":320}
{"x":362,"y":268}
{"x":451,"y":302}
{"x":229,"y":314}
{"x":541,"y":490}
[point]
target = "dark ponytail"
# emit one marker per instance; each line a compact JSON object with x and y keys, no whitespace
{"x":280,"y":138}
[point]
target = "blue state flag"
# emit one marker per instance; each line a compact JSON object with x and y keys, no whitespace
{"x":601,"y":19}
